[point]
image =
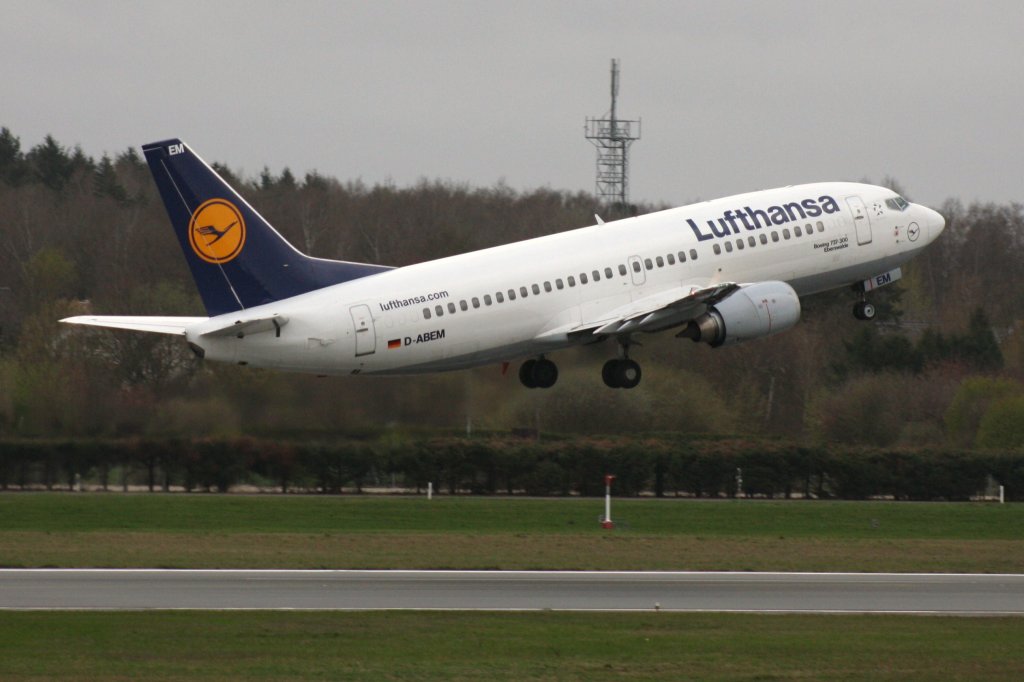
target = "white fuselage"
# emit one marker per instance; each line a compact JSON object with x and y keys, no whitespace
{"x":446,"y":313}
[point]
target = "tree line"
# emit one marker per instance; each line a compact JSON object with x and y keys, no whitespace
{"x":81,"y":235}
{"x":658,"y":465}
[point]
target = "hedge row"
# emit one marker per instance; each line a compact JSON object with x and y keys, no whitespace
{"x":662,"y":466}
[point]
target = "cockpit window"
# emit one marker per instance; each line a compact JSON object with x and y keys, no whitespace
{"x":897,"y":203}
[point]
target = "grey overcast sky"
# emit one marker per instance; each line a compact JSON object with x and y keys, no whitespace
{"x":734,"y":96}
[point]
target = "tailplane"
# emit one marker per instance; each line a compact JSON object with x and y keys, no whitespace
{"x":237,"y":259}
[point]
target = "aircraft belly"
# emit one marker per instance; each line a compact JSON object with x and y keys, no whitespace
{"x":831,"y":279}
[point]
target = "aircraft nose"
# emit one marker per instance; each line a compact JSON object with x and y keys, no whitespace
{"x":936,"y":223}
{"x":933,"y":221}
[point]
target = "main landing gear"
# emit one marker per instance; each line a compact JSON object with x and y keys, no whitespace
{"x":621,"y":372}
{"x":624,"y":373}
{"x":539,"y":373}
{"x":618,"y":373}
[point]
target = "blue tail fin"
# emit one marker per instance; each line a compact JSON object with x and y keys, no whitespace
{"x":237,"y":259}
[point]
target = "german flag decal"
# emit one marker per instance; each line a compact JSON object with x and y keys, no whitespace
{"x":394,"y":343}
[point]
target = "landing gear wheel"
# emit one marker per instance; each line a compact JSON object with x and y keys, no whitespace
{"x":545,"y":373}
{"x":540,"y":373}
{"x":863,"y":310}
{"x":628,"y":373}
{"x":526,"y":374}
{"x":621,"y":373}
{"x":610,"y":374}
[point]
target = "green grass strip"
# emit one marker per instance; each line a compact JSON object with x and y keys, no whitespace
{"x":473,"y":646}
{"x":269,"y":531}
{"x":56,"y":512}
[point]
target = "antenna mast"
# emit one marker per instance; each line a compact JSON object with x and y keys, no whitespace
{"x":612,"y":138}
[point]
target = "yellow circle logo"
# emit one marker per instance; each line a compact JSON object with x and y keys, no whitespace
{"x":217,"y":231}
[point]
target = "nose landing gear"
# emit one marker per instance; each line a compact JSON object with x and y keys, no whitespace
{"x":863,"y":310}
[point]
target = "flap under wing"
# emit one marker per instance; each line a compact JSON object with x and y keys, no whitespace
{"x":659,"y":311}
{"x":156,"y":325}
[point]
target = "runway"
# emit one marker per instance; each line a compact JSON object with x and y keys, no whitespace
{"x":101,"y":589}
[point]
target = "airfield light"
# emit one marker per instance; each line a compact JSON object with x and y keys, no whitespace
{"x":607,"y":521}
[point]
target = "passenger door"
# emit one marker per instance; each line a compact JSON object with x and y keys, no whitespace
{"x":366,"y":336}
{"x":861,"y":220}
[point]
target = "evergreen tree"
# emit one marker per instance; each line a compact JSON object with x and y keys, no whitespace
{"x":12,"y":161}
{"x":50,"y":164}
{"x":979,"y":347}
{"x":131,"y":158}
{"x":106,"y":182}
{"x":872,"y":352}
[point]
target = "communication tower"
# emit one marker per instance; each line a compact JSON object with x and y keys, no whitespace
{"x":612,"y":137}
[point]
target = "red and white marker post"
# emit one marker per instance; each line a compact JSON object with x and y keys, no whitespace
{"x":607,"y":522}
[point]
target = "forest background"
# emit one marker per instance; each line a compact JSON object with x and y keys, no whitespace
{"x":941,"y":367}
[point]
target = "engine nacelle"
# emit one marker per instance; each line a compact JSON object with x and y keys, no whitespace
{"x":755,"y":310}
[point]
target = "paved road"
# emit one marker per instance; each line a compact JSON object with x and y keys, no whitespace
{"x":510,"y":590}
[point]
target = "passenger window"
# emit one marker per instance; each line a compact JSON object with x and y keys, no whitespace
{"x":451,"y":308}
{"x":821,"y":226}
{"x":487,"y":299}
{"x":535,"y":288}
{"x":660,"y":261}
{"x":426,"y":313}
{"x":463,"y":305}
{"x":559,"y":285}
{"x":775,"y":236}
{"x":583,"y":278}
{"x":547,"y":286}
{"x":499,"y":297}
{"x":739,"y":244}
{"x":751,"y":240}
{"x":648,"y":264}
{"x":763,"y":237}
{"x":797,"y":232}
{"x":439,"y":310}
{"x":717,"y":249}
{"x":511,"y":294}
{"x":571,"y":280}
{"x":636,"y":266}
{"x":622,"y":270}
{"x":785,"y":233}
{"x":476,"y":302}
{"x":671,"y":259}
{"x":728,"y":247}
{"x":523,"y":292}
{"x":597,"y":276}
{"x":682,"y":256}
{"x":693,"y":254}
{"x":608,"y":273}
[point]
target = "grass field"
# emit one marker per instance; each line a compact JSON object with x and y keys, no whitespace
{"x":472,"y":646}
{"x":221,"y":531}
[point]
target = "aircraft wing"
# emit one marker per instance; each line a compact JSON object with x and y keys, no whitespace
{"x":659,"y":311}
{"x":157,"y":325}
{"x":649,"y":314}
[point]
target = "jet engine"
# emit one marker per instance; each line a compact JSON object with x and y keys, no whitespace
{"x":755,"y":310}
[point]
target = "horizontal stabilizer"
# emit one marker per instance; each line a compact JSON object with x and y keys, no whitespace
{"x":157,"y":325}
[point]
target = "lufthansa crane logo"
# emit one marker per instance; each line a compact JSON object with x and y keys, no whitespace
{"x":217,"y":231}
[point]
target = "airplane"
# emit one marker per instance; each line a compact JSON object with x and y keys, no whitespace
{"x":719,"y":272}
